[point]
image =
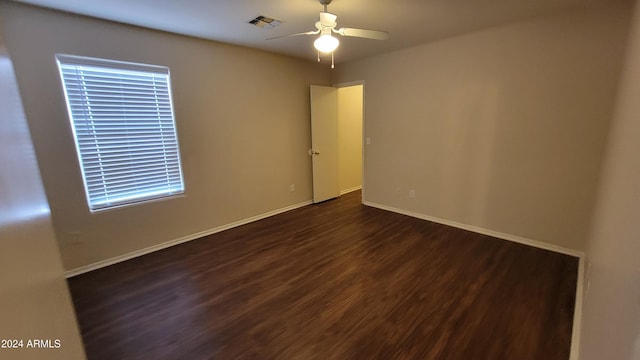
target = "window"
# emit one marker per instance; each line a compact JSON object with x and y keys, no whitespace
{"x":122,"y":120}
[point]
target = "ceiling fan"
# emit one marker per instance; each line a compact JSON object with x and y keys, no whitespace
{"x":327,"y":43}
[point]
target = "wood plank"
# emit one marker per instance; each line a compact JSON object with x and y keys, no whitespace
{"x":336,"y":280}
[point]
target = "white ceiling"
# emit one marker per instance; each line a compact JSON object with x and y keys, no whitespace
{"x":409,"y":22}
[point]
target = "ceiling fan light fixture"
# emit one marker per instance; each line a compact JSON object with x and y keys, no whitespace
{"x":326,"y":43}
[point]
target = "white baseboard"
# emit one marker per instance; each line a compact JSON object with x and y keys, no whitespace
{"x":483,"y":231}
{"x":577,"y":311}
{"x":356,"y":188}
{"x":164,"y":245}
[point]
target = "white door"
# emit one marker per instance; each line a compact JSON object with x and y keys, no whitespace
{"x":324,"y":142}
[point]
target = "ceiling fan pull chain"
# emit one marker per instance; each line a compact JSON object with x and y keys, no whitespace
{"x":332,"y":66}
{"x":318,"y":55}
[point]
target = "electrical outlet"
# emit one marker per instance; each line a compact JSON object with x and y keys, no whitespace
{"x":412,"y":193}
{"x":292,"y":187}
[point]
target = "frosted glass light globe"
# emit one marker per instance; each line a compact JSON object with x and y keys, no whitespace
{"x":326,"y":43}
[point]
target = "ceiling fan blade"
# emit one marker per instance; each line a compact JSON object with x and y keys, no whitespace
{"x":298,"y":34}
{"x":363,"y":33}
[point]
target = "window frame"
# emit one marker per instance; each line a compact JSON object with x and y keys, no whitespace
{"x":172,"y":187}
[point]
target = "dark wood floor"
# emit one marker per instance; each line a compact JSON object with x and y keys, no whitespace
{"x":337,"y":280}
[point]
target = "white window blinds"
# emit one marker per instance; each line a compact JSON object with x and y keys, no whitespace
{"x":122,"y":120}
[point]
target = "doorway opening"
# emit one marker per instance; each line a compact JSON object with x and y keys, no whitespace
{"x":337,"y":133}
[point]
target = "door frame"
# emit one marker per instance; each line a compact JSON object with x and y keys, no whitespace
{"x":364,"y":129}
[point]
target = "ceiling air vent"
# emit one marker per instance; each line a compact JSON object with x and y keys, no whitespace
{"x":265,"y":22}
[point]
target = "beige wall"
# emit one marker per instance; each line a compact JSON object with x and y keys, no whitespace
{"x":611,"y":315}
{"x":242,"y":118}
{"x":350,"y":137}
{"x":501,"y":129}
{"x":34,"y":299}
